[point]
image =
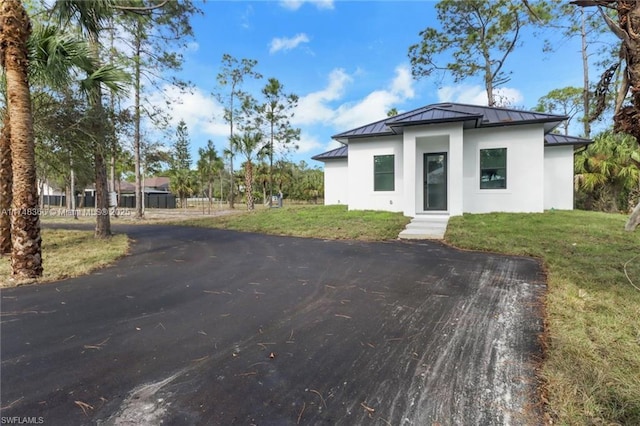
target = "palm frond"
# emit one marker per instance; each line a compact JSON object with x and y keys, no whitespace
{"x":91,"y":16}
{"x":54,"y":54}
{"x":115,"y":78}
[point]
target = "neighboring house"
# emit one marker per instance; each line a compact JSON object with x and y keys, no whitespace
{"x":156,"y":190}
{"x":451,"y":159}
{"x":46,"y":188}
{"x":160,"y":183}
{"x":152,"y":185}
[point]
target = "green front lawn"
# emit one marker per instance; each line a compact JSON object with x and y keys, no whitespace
{"x":331,"y":222}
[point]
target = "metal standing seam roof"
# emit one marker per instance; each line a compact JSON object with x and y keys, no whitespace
{"x":555,"y":139}
{"x":431,"y":115}
{"x":475,"y":116}
{"x":334,"y":154}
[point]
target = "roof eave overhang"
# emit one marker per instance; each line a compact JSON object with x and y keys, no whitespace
{"x":576,"y":144}
{"x":326,"y":159}
{"x":549,"y":124}
{"x":345,"y":139}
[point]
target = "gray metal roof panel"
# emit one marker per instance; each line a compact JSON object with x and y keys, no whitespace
{"x":377,"y":128}
{"x":334,"y":154}
{"x":502,"y":116}
{"x":555,"y":139}
{"x":433,"y":114}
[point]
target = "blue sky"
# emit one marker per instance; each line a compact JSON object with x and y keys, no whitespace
{"x":348,"y":63}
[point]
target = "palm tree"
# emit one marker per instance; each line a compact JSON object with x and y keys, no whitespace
{"x":52,"y":55}
{"x":208,"y":166}
{"x":5,"y":185}
{"x":261,"y":176}
{"x":91,"y":17}
{"x":607,"y":171}
{"x":248,"y":144}
{"x":183,"y":184}
{"x":15,"y":29}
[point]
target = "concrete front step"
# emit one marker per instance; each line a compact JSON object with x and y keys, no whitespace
{"x":425,"y":228}
{"x":425,"y":224}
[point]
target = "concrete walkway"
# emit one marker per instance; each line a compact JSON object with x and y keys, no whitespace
{"x":426,"y":227}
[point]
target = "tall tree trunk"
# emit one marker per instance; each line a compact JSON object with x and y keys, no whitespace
{"x":221,"y":189}
{"x":488,"y":77}
{"x":114,"y":144}
{"x":210,"y":192}
{"x":231,"y":183}
{"x":136,"y":136}
{"x":231,"y":191}
{"x":585,"y":73}
{"x":103,"y":221}
{"x":26,"y":255}
{"x":271,"y":165}
{"x":5,"y":186}
{"x":248,"y":183}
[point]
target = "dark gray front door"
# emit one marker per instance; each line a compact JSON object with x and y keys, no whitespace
{"x":435,"y":181}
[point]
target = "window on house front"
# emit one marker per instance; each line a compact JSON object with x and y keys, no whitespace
{"x":383,"y":173}
{"x":493,"y":168}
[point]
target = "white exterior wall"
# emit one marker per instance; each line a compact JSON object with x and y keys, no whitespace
{"x":336,"y":182}
{"x":422,"y":140}
{"x":525,"y":170}
{"x":558,"y":177}
{"x":360,"y":174}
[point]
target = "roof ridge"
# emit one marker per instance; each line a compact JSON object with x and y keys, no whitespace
{"x":500,"y":108}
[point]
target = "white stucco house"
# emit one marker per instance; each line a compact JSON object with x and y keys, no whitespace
{"x":451,"y":159}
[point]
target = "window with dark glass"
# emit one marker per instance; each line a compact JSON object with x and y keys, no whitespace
{"x":493,"y":168}
{"x":383,"y":173}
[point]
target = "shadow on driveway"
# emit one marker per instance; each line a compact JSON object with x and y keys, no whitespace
{"x":203,"y":326}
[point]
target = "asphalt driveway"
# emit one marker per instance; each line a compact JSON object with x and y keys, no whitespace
{"x":202,"y":326}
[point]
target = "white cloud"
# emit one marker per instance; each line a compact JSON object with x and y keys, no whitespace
{"x":309,"y":143}
{"x":477,"y":95}
{"x":314,"y":106}
{"x":403,"y":83}
{"x":193,"y":46}
{"x":245,"y":18}
{"x":296,"y":4}
{"x":284,"y":43}
{"x":319,"y":107}
{"x":376,"y":104}
{"x":202,"y":114}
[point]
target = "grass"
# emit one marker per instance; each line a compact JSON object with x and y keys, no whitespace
{"x":67,"y":254}
{"x":331,"y":222}
{"x":592,"y":368}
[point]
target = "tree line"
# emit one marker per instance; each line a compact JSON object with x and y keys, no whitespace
{"x":256,"y":180}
